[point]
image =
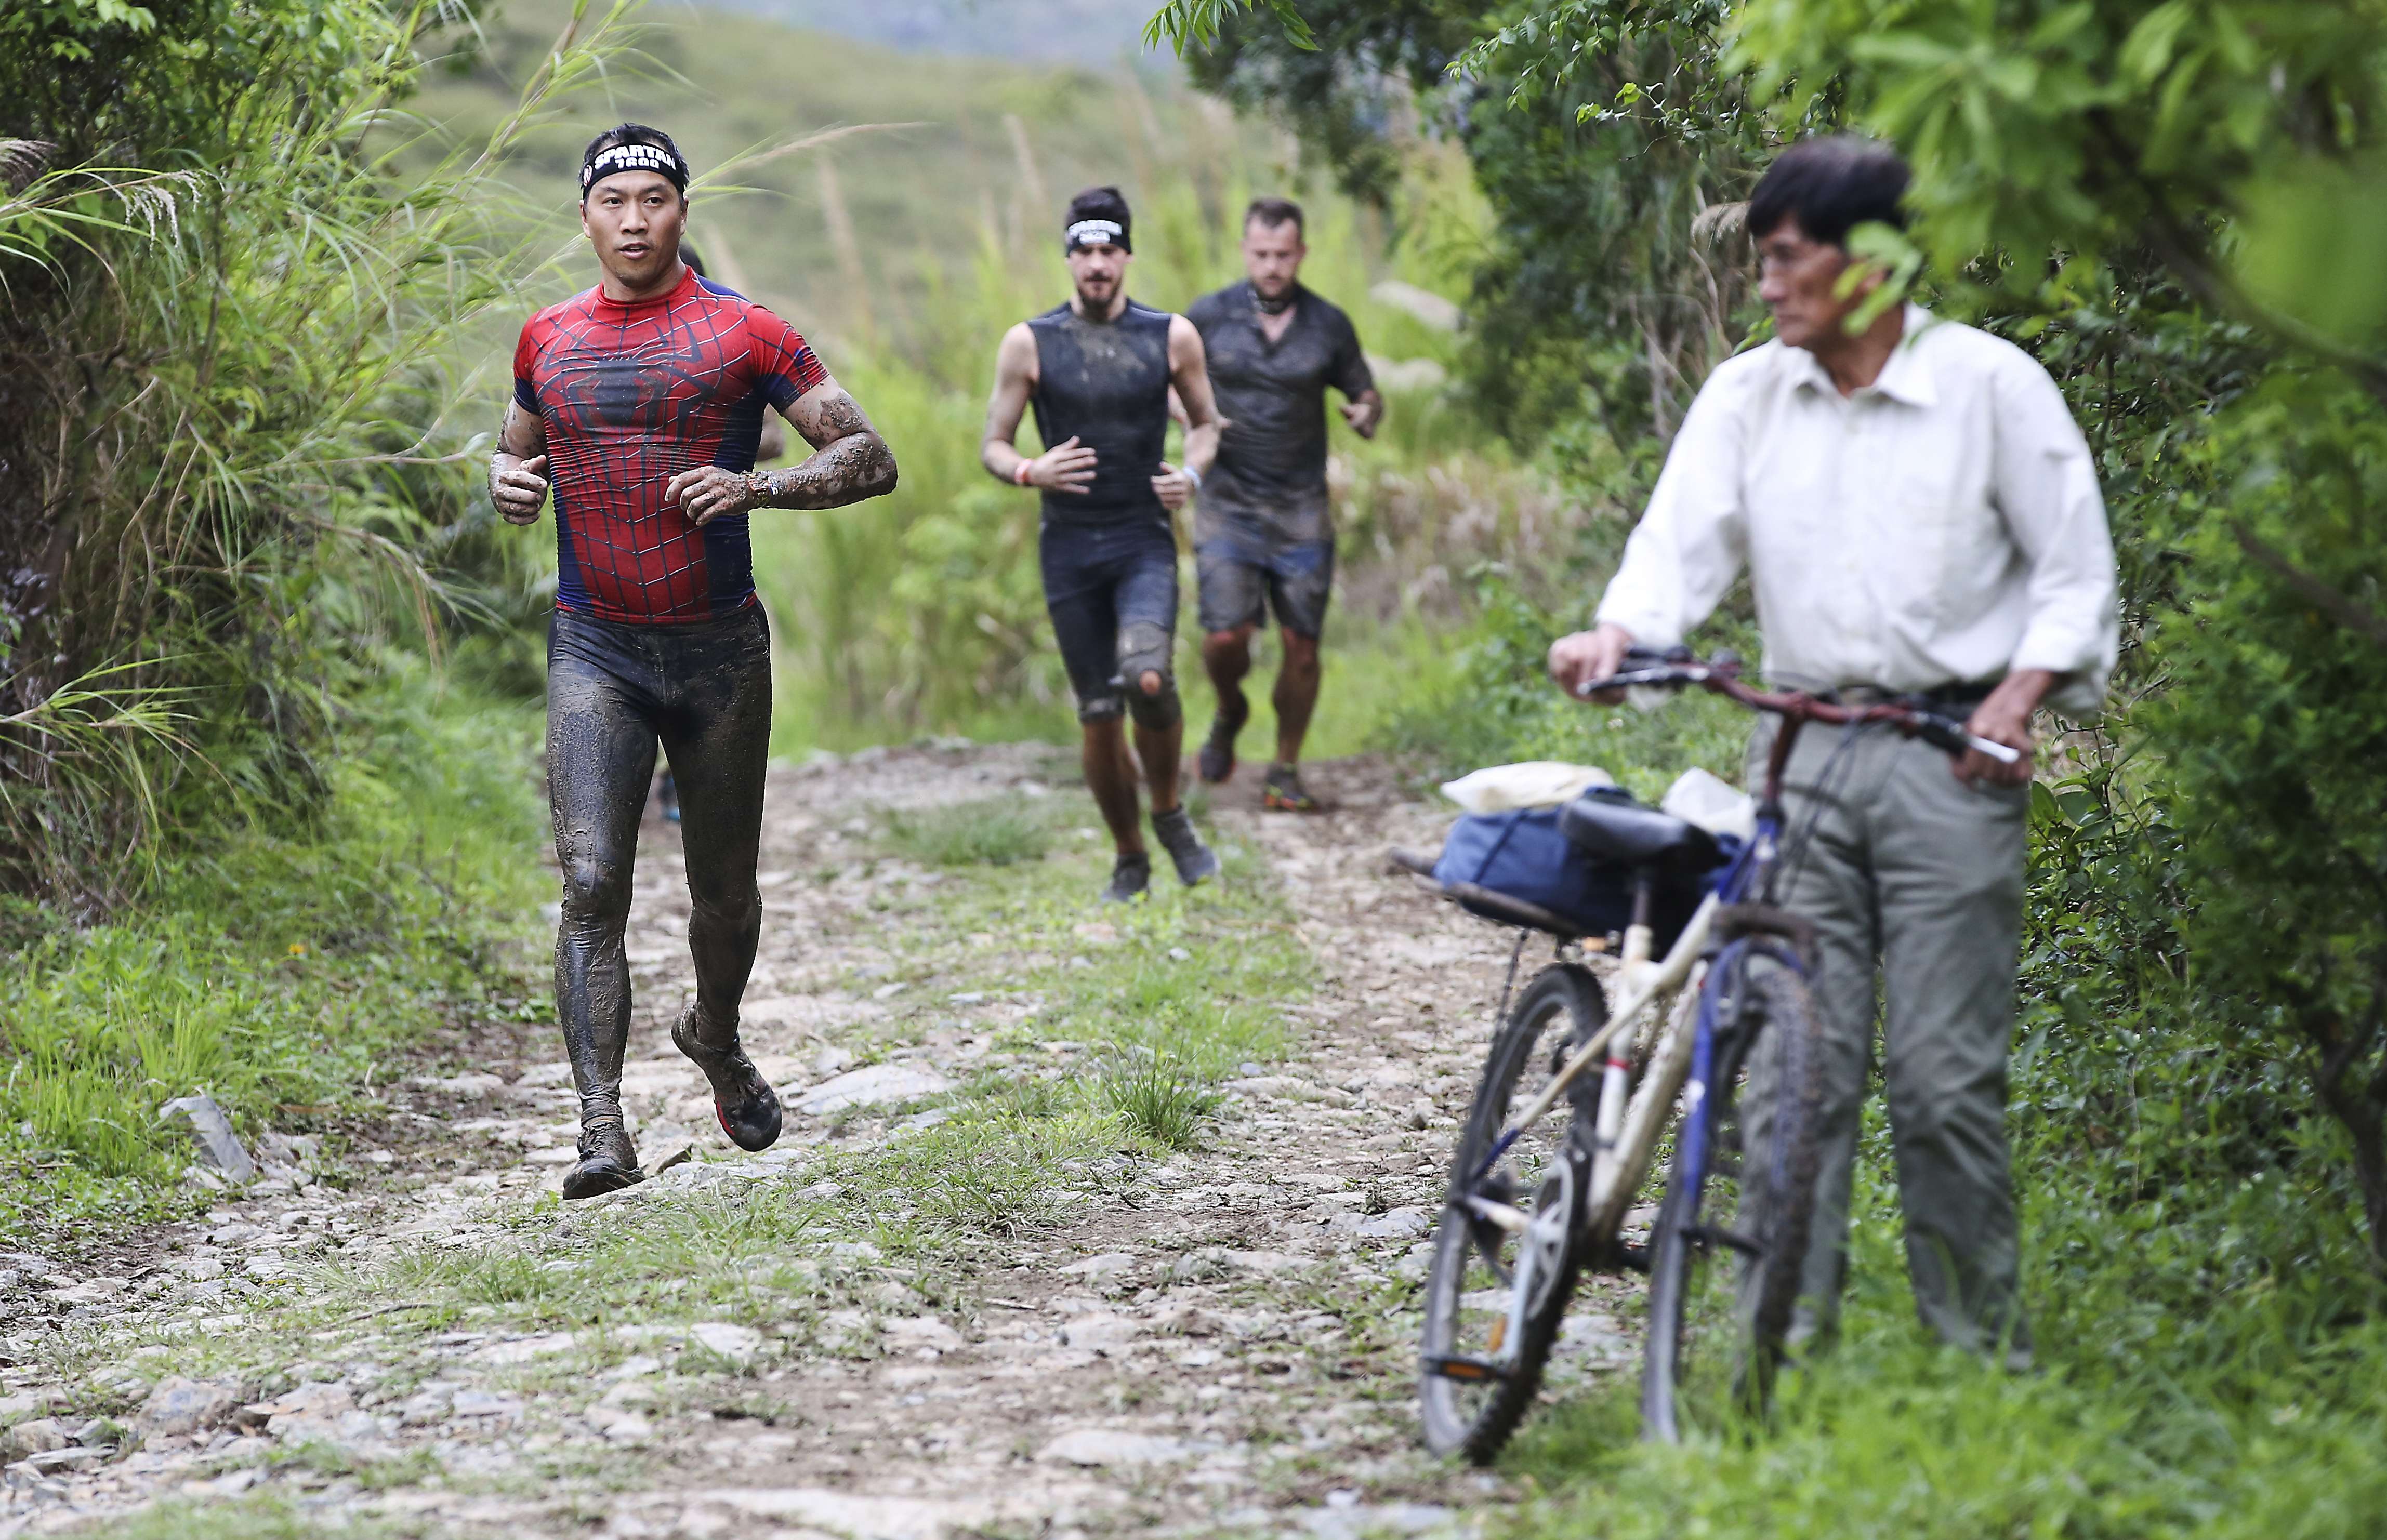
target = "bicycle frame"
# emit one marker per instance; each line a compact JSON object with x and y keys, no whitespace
{"x":1750,"y":874}
{"x":1683,"y":999}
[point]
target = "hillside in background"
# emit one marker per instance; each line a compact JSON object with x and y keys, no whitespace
{"x":852,"y":240}
{"x":1080,"y":31}
{"x":904,"y":252}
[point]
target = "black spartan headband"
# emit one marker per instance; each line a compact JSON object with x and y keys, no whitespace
{"x":634,"y":157}
{"x":1087,"y":232}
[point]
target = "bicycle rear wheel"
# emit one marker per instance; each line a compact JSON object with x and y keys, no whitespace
{"x":1480,"y":1365}
{"x":1716,"y":1331}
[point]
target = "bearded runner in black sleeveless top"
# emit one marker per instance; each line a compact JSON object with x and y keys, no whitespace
{"x":1098,"y":371}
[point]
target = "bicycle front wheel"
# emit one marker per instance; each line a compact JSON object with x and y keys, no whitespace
{"x":1484,"y":1347}
{"x":1717,"y":1327}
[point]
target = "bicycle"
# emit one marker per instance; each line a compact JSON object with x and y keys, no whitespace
{"x":1728,"y":996}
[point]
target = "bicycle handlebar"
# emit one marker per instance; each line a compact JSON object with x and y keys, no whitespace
{"x":1724,"y":678}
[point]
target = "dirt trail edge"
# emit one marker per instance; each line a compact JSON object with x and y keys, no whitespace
{"x":981,"y":1288}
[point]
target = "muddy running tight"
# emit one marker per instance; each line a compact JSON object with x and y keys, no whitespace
{"x":614,"y":691}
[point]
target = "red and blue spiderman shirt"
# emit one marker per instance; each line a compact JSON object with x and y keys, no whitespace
{"x":632,"y":395}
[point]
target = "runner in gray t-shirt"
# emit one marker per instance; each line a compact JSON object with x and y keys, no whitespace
{"x":1262,"y":528}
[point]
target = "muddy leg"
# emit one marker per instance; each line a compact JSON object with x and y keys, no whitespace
{"x":600,"y":754}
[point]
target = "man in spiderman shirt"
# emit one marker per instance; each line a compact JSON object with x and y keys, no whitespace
{"x":641,"y":402}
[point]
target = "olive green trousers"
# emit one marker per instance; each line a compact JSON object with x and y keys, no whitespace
{"x":1914,"y":881}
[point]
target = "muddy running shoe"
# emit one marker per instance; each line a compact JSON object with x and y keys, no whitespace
{"x":1283,"y":791}
{"x":1129,"y":878}
{"x":609,"y":1162}
{"x":743,"y":1101}
{"x":1195,"y":861}
{"x":1218,"y":758}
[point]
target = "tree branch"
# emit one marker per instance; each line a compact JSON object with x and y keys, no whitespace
{"x":2329,"y":600}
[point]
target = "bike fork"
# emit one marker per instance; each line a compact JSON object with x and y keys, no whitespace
{"x":1696,"y":1111}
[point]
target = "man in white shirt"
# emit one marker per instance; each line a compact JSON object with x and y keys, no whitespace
{"x":1919,"y":515}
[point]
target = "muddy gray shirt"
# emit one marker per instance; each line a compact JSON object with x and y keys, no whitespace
{"x":1271,"y":465}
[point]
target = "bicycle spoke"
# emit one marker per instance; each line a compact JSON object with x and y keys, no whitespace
{"x":1495,"y":1293}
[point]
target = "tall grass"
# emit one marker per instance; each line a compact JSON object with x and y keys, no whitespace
{"x":235,"y":459}
{"x":275,"y":972}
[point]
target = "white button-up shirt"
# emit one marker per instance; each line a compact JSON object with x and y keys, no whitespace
{"x":1940,"y":526}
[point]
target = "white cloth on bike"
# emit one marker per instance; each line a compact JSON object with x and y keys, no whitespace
{"x":1534,"y":783}
{"x":1706,"y":799}
{"x":1941,"y":525}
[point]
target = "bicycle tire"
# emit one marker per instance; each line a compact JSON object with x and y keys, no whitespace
{"x":1776,"y":1015}
{"x":1566,"y":998}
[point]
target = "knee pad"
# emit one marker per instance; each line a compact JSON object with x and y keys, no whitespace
{"x":1155,"y":712}
{"x":1144,"y":648}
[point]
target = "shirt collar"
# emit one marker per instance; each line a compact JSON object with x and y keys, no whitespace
{"x":688,"y":285}
{"x":1905,"y":378}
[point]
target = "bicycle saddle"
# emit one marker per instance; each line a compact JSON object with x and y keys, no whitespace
{"x":1612,"y":828}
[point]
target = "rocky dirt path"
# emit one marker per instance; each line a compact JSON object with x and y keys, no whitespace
{"x":986,"y":1285}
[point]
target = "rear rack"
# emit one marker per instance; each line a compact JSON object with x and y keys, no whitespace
{"x":1484,"y":902}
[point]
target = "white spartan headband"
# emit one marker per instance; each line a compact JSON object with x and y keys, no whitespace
{"x":1095,"y":233}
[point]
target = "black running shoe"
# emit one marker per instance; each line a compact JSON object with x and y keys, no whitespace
{"x":1129,"y":878}
{"x":609,"y":1162}
{"x":1195,"y":861}
{"x":743,"y":1101}
{"x":1216,"y":761}
{"x":1283,"y":791}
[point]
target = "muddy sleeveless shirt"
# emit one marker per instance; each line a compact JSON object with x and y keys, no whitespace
{"x":1105,"y":383}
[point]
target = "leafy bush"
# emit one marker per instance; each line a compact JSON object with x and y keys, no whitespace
{"x":224,"y":410}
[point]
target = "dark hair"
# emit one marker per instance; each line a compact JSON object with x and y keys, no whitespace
{"x":634,"y":134}
{"x":1830,"y":187}
{"x":1276,"y":211}
{"x":1098,"y":203}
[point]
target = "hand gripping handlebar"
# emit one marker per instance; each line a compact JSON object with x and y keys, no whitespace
{"x":1722,"y":676}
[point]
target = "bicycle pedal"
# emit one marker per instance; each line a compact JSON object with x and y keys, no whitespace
{"x":1464,"y":1369}
{"x":1748,"y":1245}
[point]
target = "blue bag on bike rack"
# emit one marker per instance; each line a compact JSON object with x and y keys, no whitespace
{"x":1523,"y":854}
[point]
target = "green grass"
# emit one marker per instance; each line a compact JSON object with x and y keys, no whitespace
{"x":267,"y":1518}
{"x":1162,"y":1100}
{"x":277,"y":973}
{"x":992,"y":833}
{"x":2171,"y":1401}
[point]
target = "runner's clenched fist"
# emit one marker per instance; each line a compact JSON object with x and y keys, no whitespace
{"x":517,"y":486}
{"x":709,"y":492}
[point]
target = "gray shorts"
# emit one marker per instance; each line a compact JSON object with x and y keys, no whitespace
{"x":1244,"y":573}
